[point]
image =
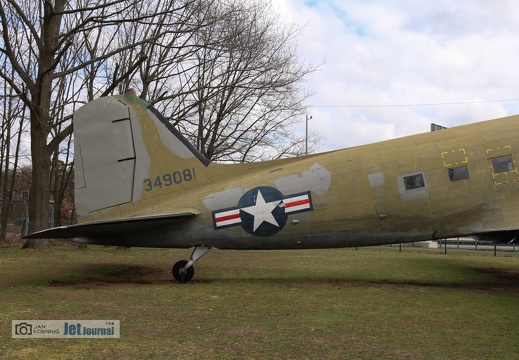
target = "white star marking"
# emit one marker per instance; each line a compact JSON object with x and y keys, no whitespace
{"x":262,"y":211}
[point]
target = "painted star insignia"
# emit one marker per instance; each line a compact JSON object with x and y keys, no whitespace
{"x":262,"y":211}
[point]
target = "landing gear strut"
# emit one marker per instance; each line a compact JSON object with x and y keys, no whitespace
{"x":183,"y":270}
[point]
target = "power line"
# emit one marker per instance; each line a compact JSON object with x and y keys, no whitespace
{"x":409,"y":105}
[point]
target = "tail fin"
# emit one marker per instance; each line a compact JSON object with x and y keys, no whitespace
{"x":126,"y":151}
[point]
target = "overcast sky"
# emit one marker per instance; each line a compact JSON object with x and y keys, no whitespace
{"x":384,"y":54}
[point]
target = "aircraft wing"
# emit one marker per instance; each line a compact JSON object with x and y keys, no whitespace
{"x":111,"y":227}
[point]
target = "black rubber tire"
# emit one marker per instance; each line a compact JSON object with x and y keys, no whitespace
{"x":183,"y":278}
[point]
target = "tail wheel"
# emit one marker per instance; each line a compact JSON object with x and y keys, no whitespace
{"x":180,"y":273}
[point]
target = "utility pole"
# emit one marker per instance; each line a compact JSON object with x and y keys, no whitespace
{"x":306,"y":137}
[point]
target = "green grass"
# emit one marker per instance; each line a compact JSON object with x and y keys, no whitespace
{"x":325,"y":304}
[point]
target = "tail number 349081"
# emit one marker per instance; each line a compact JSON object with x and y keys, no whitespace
{"x":165,"y":180}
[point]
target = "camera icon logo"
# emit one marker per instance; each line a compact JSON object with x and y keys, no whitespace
{"x":23,"y":328}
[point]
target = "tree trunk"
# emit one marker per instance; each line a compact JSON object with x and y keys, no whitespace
{"x":5,"y":185}
{"x":39,"y":194}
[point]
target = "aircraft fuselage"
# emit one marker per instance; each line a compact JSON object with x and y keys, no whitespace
{"x":455,"y":182}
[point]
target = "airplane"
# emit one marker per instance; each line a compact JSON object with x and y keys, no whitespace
{"x":140,"y":183}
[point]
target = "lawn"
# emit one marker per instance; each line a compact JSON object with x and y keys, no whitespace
{"x":305,"y":304}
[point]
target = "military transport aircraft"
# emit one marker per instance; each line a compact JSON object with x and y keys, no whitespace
{"x":139,"y":182}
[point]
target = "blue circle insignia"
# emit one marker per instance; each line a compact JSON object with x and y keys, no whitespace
{"x":262,"y":211}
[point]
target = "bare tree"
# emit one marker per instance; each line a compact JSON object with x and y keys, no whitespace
{"x":44,"y":41}
{"x":228,"y":76}
{"x":12,"y":125}
{"x":243,"y":96}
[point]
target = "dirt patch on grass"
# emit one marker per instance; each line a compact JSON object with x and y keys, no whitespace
{"x":138,"y":275}
{"x":506,"y":278}
{"x":511,"y":274}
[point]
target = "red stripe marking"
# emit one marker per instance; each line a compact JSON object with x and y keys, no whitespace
{"x":297,"y":203}
{"x":228,"y":217}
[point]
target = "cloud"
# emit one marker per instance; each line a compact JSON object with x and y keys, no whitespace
{"x":382,"y":54}
{"x":449,"y":20}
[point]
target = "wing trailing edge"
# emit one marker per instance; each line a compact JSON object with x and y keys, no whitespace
{"x":112,"y":227}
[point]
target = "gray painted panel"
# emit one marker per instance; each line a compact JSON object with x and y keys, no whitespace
{"x":104,"y":140}
{"x":376,"y":179}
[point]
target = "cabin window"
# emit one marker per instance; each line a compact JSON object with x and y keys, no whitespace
{"x":504,"y":170}
{"x":412,"y":187}
{"x":458,"y":173}
{"x":502,"y":164}
{"x":414,"y":181}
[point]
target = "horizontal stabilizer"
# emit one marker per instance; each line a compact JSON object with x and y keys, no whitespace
{"x":111,"y":227}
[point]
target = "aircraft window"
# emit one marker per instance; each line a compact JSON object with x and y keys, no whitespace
{"x":458,"y":173}
{"x":502,"y":164}
{"x":414,"y":181}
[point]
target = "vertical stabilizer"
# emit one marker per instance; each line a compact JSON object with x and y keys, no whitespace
{"x":125,"y":151}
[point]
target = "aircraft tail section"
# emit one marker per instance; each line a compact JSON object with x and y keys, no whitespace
{"x":126,"y":151}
